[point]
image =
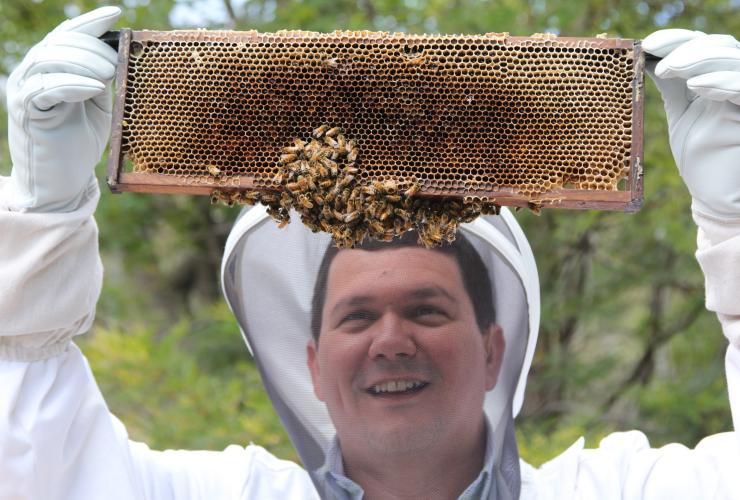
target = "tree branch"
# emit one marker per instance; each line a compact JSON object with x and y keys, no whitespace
{"x":230,"y":12}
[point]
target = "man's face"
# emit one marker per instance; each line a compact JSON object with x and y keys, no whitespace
{"x":402,"y":364}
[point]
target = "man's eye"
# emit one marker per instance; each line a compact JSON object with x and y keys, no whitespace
{"x":426,"y":310}
{"x":358,"y":316}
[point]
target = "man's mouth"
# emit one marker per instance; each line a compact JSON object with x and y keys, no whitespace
{"x":402,"y":386}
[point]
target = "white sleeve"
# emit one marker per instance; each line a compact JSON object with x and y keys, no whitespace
{"x":624,"y":465}
{"x":718,"y":253}
{"x":58,"y":440}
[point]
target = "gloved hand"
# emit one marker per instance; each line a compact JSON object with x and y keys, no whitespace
{"x":699,"y":79}
{"x":59,"y":107}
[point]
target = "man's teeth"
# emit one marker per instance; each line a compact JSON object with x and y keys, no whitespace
{"x":395,"y":386}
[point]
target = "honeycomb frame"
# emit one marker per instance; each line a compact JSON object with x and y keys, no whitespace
{"x":421,"y":140}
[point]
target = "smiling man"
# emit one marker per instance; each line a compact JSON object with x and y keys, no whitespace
{"x":407,"y":389}
{"x":403,"y":355}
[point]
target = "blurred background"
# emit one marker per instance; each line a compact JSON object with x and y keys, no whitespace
{"x":625,"y":341}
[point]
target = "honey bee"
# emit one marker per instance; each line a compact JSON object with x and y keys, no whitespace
{"x":331,"y":62}
{"x":412,"y":191}
{"x":285,"y":200}
{"x":283,"y":223}
{"x":535,"y":207}
{"x":388,"y":235}
{"x":292,"y":149}
{"x":434,"y":234}
{"x":251,"y":197}
{"x":303,"y":183}
{"x":268,"y":198}
{"x":331,"y":141}
{"x":332,"y":132}
{"x":317,"y":133}
{"x":294,"y":187}
{"x":287,"y":158}
{"x":294,"y":165}
{"x":347,"y":180}
{"x":341,"y":141}
{"x":352,"y":155}
{"x":351,"y":170}
{"x":377,"y":227}
{"x":214,"y":170}
{"x":331,"y":165}
{"x":305,"y":202}
{"x":416,"y":61}
{"x":347,"y":218}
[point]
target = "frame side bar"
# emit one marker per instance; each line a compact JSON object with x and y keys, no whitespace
{"x":115,"y":156}
{"x":638,"y":110}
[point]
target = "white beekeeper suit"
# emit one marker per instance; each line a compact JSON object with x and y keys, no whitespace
{"x":57,"y":437}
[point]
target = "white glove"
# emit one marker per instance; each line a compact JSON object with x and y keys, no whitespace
{"x":699,"y":79}
{"x":59,"y":107}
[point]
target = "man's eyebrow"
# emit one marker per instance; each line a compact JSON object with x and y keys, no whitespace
{"x":431,"y":292}
{"x":416,"y":294}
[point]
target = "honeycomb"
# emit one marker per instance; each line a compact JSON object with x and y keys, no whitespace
{"x":514,"y":120}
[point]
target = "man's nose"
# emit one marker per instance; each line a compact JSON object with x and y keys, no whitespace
{"x":392,"y":338}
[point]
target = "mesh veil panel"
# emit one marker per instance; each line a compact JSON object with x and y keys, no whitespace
{"x":269,"y":276}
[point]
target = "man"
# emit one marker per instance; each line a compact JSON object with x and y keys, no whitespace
{"x":409,"y":347}
{"x":57,"y":439}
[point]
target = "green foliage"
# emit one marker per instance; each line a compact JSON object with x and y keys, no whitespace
{"x":624,"y":341}
{"x":190,"y":386}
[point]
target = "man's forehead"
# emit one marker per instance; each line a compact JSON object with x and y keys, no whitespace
{"x":408,"y":262}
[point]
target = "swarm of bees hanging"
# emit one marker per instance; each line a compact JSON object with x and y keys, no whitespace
{"x":320,"y":180}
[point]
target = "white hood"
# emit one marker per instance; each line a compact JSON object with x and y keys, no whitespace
{"x":268,"y":277}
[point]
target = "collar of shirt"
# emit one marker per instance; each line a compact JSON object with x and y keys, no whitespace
{"x":343,"y":488}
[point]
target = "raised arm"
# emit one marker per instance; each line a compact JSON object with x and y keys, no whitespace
{"x":57,"y":437}
{"x":699,"y":79}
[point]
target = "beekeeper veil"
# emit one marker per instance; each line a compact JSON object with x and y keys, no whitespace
{"x":269,"y":275}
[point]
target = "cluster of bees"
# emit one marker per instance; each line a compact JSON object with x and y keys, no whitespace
{"x":320,"y":180}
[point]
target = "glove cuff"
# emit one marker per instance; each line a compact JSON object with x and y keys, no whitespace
{"x":718,"y":253}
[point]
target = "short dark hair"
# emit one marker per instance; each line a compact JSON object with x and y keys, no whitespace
{"x":472,"y":269}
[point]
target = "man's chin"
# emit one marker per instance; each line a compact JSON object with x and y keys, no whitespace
{"x":391,"y":436}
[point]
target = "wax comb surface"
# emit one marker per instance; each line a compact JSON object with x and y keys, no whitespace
{"x":515,"y":120}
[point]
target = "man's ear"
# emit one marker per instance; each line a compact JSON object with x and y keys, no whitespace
{"x":313,"y":367}
{"x":495,"y":345}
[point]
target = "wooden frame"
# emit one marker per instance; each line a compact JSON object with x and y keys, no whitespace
{"x":629,"y":199}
